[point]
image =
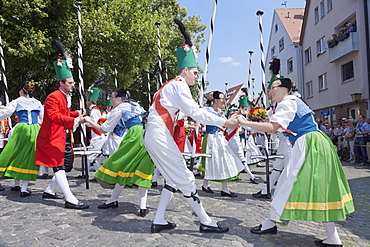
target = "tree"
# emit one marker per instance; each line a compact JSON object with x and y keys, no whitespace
{"x":118,"y":32}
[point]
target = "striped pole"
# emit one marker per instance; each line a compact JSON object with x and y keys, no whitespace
{"x":159,"y":55}
{"x":115,"y":76}
{"x":4,"y":78}
{"x":253,"y":95}
{"x":203,"y":84}
{"x":249,"y":74}
{"x":259,"y":14}
{"x":82,"y":93}
{"x":149,"y":96}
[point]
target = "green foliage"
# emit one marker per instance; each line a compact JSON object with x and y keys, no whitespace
{"x":116,"y":33}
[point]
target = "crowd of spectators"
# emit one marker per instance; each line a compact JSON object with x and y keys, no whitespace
{"x":343,"y":135}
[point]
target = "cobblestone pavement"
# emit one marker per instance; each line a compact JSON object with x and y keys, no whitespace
{"x":33,"y":221}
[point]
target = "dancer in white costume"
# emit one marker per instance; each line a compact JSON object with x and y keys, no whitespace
{"x":233,"y":137}
{"x":97,"y":138}
{"x":224,"y":165}
{"x":173,"y":96}
{"x":314,"y":166}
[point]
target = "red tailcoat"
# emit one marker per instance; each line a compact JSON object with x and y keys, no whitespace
{"x":51,"y":140}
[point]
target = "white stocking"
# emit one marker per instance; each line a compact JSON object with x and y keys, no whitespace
{"x":61,"y":180}
{"x":16,"y":182}
{"x":143,"y":193}
{"x":267,"y":224}
{"x":224,"y":187}
{"x":200,"y":212}
{"x":115,"y":194}
{"x":249,"y":171}
{"x":205,"y":183}
{"x":332,"y":234}
{"x":274,"y":176}
{"x":51,"y":188}
{"x":24,"y":185}
{"x":166,"y":197}
{"x":96,"y":165}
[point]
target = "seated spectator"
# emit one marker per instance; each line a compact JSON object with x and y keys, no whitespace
{"x":349,"y":27}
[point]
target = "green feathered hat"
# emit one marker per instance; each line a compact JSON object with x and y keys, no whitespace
{"x":93,"y":94}
{"x":186,"y":54}
{"x":62,"y":65}
{"x":243,"y":101}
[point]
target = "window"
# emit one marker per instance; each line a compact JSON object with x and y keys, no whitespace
{"x":316,"y":14}
{"x":347,"y":71}
{"x":272,"y":52}
{"x":281,"y":44}
{"x":276,"y":28}
{"x":290,"y":65}
{"x":322,"y":9}
{"x":307,"y":55}
{"x":309,"y":89}
{"x":321,"y":46}
{"x":330,"y":5}
{"x":323,"y":83}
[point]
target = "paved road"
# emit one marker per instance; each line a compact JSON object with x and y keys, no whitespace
{"x":32,"y":221}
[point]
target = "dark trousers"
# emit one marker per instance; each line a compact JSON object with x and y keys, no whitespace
{"x":360,"y":150}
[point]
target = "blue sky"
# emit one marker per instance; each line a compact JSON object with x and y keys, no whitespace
{"x":235,"y":33}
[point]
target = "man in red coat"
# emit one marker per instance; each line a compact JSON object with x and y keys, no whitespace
{"x":53,"y":145}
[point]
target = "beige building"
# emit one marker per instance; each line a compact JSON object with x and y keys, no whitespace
{"x":335,"y":69}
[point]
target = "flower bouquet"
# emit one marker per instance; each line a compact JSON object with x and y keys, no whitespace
{"x":257,"y":114}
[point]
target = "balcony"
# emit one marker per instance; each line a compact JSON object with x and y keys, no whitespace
{"x":344,"y":47}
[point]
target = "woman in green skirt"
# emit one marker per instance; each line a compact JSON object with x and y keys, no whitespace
{"x":18,"y":157}
{"x":130,"y":164}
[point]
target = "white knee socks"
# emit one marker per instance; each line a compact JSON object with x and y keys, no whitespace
{"x":332,"y":234}
{"x":61,"y":180}
{"x":51,"y":188}
{"x":205,"y":183}
{"x":143,"y":192}
{"x":201,"y":213}
{"x":267,"y":224}
{"x":224,"y":187}
{"x":16,"y":182}
{"x":115,"y":194}
{"x":274,"y":176}
{"x":166,"y":197}
{"x":24,"y":185}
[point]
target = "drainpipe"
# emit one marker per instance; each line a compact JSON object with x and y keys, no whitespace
{"x":367,"y":32}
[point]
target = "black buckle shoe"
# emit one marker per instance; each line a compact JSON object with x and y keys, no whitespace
{"x":254,"y":181}
{"x":231,"y":194}
{"x":154,"y":184}
{"x":15,"y":188}
{"x":46,"y":195}
{"x":207,"y":190}
{"x":143,"y":212}
{"x":109,"y":205}
{"x":257,"y":230}
{"x":157,"y":228}
{"x":79,"y":205}
{"x":25,"y":194}
{"x":260,"y":195}
{"x":216,"y":229}
{"x":320,"y":243}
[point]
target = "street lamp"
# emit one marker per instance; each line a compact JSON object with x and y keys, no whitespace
{"x":356,"y":97}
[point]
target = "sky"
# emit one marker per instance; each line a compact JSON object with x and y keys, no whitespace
{"x":236,"y":32}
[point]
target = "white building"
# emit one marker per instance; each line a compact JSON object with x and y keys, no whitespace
{"x":331,"y":75}
{"x":284,"y":44}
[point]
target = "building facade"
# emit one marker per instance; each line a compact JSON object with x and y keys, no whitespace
{"x":335,"y":58}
